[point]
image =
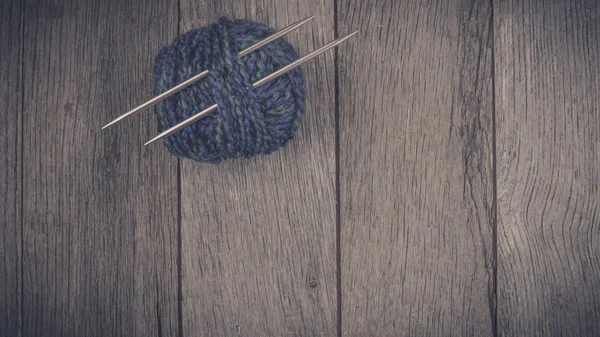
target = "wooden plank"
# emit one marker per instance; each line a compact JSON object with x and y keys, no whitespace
{"x":10,"y":169}
{"x":100,"y":210}
{"x":258,"y":235}
{"x":547,"y":61}
{"x":416,"y":169}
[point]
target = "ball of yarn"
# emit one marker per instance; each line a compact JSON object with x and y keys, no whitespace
{"x":249,"y":121}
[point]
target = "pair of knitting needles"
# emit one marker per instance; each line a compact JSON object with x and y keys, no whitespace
{"x":203,"y":74}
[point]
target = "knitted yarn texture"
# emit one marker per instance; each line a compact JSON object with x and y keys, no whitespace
{"x":248,"y":121}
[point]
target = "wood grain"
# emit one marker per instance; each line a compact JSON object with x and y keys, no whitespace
{"x":258,"y":236}
{"x":100,"y":210}
{"x":10,"y":167}
{"x":416,"y":169}
{"x":548,"y":136}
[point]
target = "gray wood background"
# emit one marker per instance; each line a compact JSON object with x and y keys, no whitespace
{"x":444,"y":182}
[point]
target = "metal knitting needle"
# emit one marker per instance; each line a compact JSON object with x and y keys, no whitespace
{"x":270,"y":77}
{"x":203,"y":74}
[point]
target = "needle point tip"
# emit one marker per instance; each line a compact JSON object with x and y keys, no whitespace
{"x":351,"y":34}
{"x":151,"y":141}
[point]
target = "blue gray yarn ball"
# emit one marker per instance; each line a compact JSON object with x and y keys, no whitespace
{"x":248,"y":121}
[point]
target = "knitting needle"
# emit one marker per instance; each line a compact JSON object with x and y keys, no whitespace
{"x":270,"y":77}
{"x":203,"y":74}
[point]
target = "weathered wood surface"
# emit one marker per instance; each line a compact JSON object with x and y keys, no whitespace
{"x":99,"y":209}
{"x":89,"y":234}
{"x":258,"y":236}
{"x":547,"y":65}
{"x":10,"y":167}
{"x":416,"y":169}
